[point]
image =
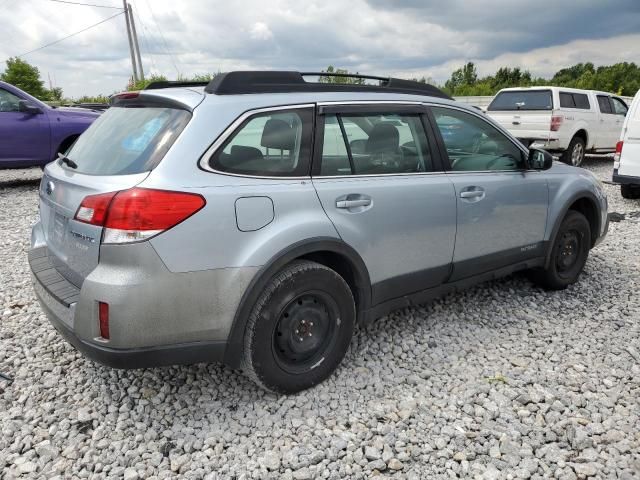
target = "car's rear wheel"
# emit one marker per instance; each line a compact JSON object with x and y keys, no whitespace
{"x":629,"y":191}
{"x":569,"y":253}
{"x":574,"y":154}
{"x":300,"y":328}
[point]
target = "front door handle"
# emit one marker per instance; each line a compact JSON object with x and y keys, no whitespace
{"x":361,"y":202}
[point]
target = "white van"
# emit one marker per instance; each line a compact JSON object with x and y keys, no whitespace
{"x":626,"y":166}
{"x":568,"y":121}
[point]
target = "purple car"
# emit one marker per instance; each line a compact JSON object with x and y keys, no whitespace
{"x":33,"y":133}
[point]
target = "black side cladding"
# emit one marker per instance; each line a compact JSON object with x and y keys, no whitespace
{"x":247,"y":82}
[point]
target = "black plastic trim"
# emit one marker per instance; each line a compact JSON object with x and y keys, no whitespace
{"x":132,"y":358}
{"x":402,"y":285}
{"x":624,"y":179}
{"x":497,"y":260}
{"x":173,"y":84}
{"x":430,"y":294}
{"x":369,"y":108}
{"x":235,"y":341}
{"x":247,"y":82}
{"x":61,"y":289}
{"x":150,"y":101}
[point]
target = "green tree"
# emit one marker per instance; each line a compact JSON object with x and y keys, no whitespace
{"x":24,"y":76}
{"x":343,"y":80}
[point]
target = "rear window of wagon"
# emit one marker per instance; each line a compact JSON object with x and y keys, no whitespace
{"x":124,"y":141}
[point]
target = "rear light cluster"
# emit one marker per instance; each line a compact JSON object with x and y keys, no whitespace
{"x":138,"y":213}
{"x":616,"y":156}
{"x":556,"y":122}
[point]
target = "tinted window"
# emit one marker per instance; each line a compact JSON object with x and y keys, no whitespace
{"x":619,"y":107}
{"x":8,"y":102}
{"x":566,"y":100}
{"x":474,"y":145}
{"x":522,"y":100}
{"x":274,"y":143}
{"x":127,"y":140}
{"x":581,"y":100}
{"x":605,"y":104}
{"x":374,"y":145}
{"x":574,"y":100}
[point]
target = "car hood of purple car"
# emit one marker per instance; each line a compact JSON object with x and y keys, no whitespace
{"x":76,"y":112}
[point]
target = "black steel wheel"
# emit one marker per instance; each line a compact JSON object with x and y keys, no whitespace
{"x":569,"y":253}
{"x":300,"y":328}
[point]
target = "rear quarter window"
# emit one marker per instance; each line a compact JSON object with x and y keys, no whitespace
{"x":574,"y":100}
{"x":522,"y":100}
{"x":125,"y":141}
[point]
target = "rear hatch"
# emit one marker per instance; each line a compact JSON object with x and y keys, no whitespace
{"x":115,"y":153}
{"x":526,"y":114}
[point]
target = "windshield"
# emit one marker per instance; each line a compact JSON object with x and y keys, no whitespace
{"x":522,"y":100}
{"x":127,"y":140}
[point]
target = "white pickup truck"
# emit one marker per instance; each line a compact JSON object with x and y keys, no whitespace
{"x":564,"y":120}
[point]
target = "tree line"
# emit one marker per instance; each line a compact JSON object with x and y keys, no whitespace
{"x":621,"y":78}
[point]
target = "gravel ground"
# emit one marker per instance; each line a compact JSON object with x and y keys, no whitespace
{"x":501,"y":381}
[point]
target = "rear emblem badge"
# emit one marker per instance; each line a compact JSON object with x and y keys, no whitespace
{"x":50,"y":188}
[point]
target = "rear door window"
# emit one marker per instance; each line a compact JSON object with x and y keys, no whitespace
{"x":605,"y":104}
{"x":275,"y":143}
{"x":522,"y":100}
{"x":574,"y":100}
{"x":124,"y":141}
{"x":374,"y":144}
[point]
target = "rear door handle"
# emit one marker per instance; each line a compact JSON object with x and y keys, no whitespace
{"x":361,"y":202}
{"x":472,"y":194}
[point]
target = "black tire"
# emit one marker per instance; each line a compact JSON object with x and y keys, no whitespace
{"x":281,"y":353}
{"x":569,"y":253}
{"x":631,"y":192}
{"x":574,"y":154}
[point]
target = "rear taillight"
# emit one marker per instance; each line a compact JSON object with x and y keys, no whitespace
{"x":138,"y":213}
{"x":616,"y":156}
{"x":556,"y":122}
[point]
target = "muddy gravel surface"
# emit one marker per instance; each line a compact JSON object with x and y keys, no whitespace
{"x":501,"y":381}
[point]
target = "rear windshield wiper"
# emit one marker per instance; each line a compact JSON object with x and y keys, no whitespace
{"x":67,"y":160}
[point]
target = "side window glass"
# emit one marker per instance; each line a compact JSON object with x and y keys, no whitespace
{"x":566,"y":100}
{"x":618,"y":106}
{"x":374,"y":144}
{"x":581,"y":100}
{"x":268,"y":144}
{"x":8,"y":102}
{"x":605,"y":104}
{"x":474,"y":145}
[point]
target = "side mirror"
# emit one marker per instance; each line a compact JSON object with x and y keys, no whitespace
{"x":539,"y":159}
{"x":25,"y":107}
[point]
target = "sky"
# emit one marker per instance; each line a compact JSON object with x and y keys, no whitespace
{"x":405,"y":38}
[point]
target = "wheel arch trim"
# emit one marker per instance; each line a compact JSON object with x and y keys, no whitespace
{"x":235,"y":341}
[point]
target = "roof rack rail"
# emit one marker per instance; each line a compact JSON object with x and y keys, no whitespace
{"x":175,"y":83}
{"x":244,"y":82}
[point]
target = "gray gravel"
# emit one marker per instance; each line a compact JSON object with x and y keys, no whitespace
{"x":502,"y":381}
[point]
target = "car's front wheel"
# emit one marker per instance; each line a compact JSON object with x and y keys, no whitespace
{"x":569,"y":253}
{"x":300,"y":328}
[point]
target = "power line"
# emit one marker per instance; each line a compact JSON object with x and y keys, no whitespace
{"x":72,"y":35}
{"x":86,"y":4}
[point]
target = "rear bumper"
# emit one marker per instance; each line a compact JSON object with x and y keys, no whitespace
{"x":156,"y":317}
{"x":129,"y":358}
{"x":624,"y":179}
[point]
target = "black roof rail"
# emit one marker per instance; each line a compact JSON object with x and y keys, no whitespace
{"x":243,"y":82}
{"x":174,"y":83}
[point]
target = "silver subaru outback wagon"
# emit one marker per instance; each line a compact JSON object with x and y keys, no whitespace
{"x":254,"y":219}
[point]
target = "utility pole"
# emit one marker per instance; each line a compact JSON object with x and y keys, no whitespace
{"x":135,"y":41}
{"x":131,"y":51}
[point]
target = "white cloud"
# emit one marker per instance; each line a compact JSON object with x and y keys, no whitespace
{"x":260,"y":31}
{"x":188,"y":37}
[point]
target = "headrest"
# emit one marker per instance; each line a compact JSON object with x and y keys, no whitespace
{"x":383,"y":138}
{"x":278,"y":134}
